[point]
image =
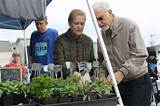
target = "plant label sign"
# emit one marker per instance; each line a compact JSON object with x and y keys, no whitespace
{"x":8,"y":73}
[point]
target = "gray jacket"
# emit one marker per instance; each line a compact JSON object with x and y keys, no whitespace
{"x":125,"y":48}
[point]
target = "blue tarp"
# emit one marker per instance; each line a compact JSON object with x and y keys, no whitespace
{"x":8,"y":22}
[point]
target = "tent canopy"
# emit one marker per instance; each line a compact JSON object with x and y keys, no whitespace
{"x":19,"y":14}
{"x":10,"y":23}
{"x":19,"y":8}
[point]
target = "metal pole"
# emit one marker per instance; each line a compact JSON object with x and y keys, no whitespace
{"x":105,"y":54}
{"x":25,"y":47}
{"x":0,"y":75}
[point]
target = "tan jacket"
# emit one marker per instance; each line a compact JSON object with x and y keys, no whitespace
{"x":126,"y":48}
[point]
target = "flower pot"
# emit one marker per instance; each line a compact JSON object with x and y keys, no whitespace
{"x":12,"y":99}
{"x":29,"y":99}
{"x":18,"y":98}
{"x":64,"y":100}
{"x":105,"y":96}
{"x":90,"y":97}
{"x":7,"y":100}
{"x":98,"y":102}
{"x":93,"y":97}
{"x":77,"y":98}
{"x":0,"y":101}
{"x":49,"y":100}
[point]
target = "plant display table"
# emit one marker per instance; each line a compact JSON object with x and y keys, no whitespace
{"x":46,"y":91}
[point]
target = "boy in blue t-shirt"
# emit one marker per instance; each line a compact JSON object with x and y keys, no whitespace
{"x":42,"y":43}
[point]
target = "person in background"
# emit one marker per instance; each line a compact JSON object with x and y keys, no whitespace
{"x":127,"y":53}
{"x":16,"y":62}
{"x":152,"y":66}
{"x":42,"y":43}
{"x":74,"y":45}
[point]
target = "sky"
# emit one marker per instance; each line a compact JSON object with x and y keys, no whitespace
{"x":144,"y":12}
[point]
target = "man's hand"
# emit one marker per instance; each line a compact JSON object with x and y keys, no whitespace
{"x":118,"y":75}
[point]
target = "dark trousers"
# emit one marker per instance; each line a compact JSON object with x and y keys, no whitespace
{"x":136,"y":92}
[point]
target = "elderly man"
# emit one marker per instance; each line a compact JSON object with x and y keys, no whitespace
{"x":127,"y":54}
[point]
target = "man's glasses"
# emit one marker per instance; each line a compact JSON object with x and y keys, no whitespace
{"x":101,"y":17}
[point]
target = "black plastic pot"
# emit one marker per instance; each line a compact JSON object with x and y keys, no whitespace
{"x":77,"y":98}
{"x":93,"y":97}
{"x":7,"y":100}
{"x":98,"y":102}
{"x":65,"y":100}
{"x":0,"y":101}
{"x":49,"y":100}
{"x":18,"y":98}
{"x":12,"y":99}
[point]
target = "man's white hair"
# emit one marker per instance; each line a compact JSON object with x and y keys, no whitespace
{"x":101,"y":4}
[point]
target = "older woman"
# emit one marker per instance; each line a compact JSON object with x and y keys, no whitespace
{"x":73,"y":45}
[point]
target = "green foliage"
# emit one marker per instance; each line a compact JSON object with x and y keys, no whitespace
{"x":1,"y":92}
{"x":11,"y":87}
{"x":96,"y":87}
{"x":67,"y":87}
{"x":101,"y":88}
{"x":72,"y":87}
{"x":41,"y":86}
{"x":45,"y":86}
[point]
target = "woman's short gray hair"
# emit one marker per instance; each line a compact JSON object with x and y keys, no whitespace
{"x":101,"y":4}
{"x":74,"y":13}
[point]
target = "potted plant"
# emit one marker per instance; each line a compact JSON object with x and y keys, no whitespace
{"x":66,"y":89}
{"x":87,"y":92}
{"x":95,"y":89}
{"x":102,"y":89}
{"x":71,"y":87}
{"x":75,"y":88}
{"x":13,"y":92}
{"x":41,"y":87}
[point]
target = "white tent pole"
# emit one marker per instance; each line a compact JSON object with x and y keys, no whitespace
{"x":25,"y":47}
{"x":105,"y":54}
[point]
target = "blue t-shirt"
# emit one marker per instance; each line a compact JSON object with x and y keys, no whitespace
{"x":42,"y":46}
